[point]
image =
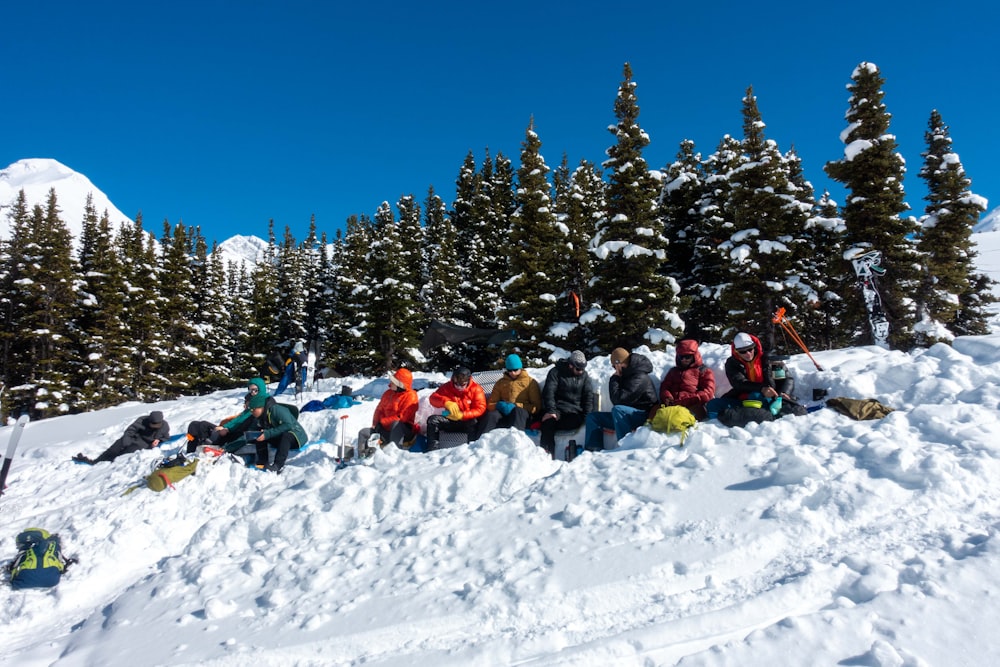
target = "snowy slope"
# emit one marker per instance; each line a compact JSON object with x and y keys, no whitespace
{"x":812,"y":540}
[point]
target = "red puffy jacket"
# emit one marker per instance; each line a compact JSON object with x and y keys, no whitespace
{"x":397,"y":405}
{"x":471,"y":400}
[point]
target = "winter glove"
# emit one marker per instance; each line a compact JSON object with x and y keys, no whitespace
{"x":504,"y":407}
{"x":454,"y":412}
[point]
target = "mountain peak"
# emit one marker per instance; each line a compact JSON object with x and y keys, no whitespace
{"x":36,"y":176}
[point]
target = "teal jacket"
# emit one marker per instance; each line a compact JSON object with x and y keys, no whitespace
{"x":234,"y":423}
{"x":277,"y":419}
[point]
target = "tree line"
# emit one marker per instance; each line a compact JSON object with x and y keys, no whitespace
{"x":590,"y":256}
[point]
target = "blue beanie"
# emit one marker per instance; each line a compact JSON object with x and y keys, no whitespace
{"x":513,"y":362}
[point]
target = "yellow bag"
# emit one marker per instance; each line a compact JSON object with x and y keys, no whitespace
{"x":673,"y":419}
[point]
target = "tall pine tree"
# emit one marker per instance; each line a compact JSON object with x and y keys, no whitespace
{"x":872,"y":171}
{"x":951,"y":294}
{"x":632,"y":294}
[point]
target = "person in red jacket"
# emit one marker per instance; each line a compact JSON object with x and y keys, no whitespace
{"x":690,"y":383}
{"x":396,"y":413}
{"x":463,"y":402}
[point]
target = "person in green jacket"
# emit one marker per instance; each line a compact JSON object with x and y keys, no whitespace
{"x":272,"y":424}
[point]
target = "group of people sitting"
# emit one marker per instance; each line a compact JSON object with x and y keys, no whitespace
{"x":760,"y":390}
{"x":263,"y":423}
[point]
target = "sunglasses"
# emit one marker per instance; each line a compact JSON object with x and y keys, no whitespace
{"x":253,"y":390}
{"x":746,"y":350}
{"x":686,"y":357}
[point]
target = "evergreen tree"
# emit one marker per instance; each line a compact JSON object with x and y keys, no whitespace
{"x":820,"y":323}
{"x":634,"y":294}
{"x":45,"y":292}
{"x":238,"y":313}
{"x":313,"y":257}
{"x":683,"y":190}
{"x":101,"y":357}
{"x":946,"y":296}
{"x":872,"y":171}
{"x":181,"y":355}
{"x":291,"y":284}
{"x":217,"y":350}
{"x":15,"y":362}
{"x":711,"y":263}
{"x":355,"y":284}
{"x":441,"y":264}
{"x":765,"y":244}
{"x":392,"y":331}
{"x":264,"y":326}
{"x":536,"y":243}
{"x":145,"y":339}
{"x":579,"y":204}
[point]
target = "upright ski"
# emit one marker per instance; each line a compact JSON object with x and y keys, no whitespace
{"x":15,"y":436}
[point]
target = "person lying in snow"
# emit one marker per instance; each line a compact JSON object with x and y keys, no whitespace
{"x":144,"y":433}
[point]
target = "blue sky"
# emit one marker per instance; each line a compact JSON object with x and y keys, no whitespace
{"x":228,"y":114}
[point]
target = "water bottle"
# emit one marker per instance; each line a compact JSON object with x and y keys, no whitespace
{"x":775,"y":405}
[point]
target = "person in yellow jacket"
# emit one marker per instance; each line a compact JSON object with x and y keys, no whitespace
{"x":516,"y":399}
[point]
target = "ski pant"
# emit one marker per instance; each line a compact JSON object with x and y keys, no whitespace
{"x":567,"y":422}
{"x":397,"y":434}
{"x":623,"y":418}
{"x":516,"y":418}
{"x":119,"y":447}
{"x":288,"y":378}
{"x":201,"y":431}
{"x":282,"y":444}
{"x":437,"y":423}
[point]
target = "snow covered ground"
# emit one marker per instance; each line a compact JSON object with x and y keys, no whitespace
{"x":812,"y":540}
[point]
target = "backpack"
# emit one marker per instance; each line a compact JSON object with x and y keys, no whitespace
{"x":170,"y":470}
{"x":673,"y":419}
{"x":39,"y":562}
{"x":274,"y":365}
{"x":741,"y":415}
{"x":166,"y":472}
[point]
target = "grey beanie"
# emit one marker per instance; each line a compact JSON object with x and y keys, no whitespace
{"x":155,"y":418}
{"x":578,"y":360}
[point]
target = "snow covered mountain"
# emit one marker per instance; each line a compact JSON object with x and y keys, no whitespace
{"x":242,"y":250}
{"x":36,"y":176}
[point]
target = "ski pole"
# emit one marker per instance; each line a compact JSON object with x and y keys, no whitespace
{"x":782,"y":321}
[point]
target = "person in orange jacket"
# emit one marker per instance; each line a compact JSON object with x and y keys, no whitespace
{"x":464,"y":403}
{"x":395,"y":416}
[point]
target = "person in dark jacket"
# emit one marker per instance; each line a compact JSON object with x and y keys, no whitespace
{"x":567,"y":398}
{"x":270,"y":424}
{"x":689,"y":383}
{"x":144,"y":433}
{"x":633,"y":396}
{"x":751,"y":376}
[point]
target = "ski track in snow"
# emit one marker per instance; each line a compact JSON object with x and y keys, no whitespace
{"x":494,"y":554}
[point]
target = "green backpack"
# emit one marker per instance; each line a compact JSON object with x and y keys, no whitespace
{"x":167,"y":472}
{"x":673,"y":419}
{"x":39,"y":562}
